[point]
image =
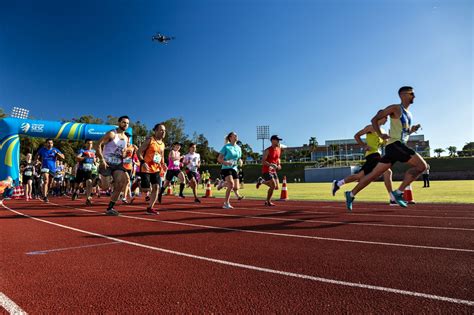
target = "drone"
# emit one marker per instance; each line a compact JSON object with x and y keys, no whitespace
{"x":162,"y":39}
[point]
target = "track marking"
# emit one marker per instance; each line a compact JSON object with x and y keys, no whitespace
{"x":43,"y":252}
{"x":278,"y":234}
{"x":256,"y":268}
{"x":10,"y":306}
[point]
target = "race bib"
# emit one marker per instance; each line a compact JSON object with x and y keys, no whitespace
{"x":176,"y":163}
{"x":45,"y":170}
{"x":157,"y":158}
{"x":127,"y":161}
{"x":234,"y":162}
{"x":113,"y":160}
{"x":87,"y":167}
{"x":28,"y":173}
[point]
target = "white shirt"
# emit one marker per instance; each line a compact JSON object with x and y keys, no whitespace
{"x":193,"y":159}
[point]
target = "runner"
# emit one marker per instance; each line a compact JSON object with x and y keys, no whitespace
{"x":372,"y":157}
{"x":114,"y":143}
{"x":151,"y":155}
{"x":229,"y":157}
{"x":28,"y":171}
{"x":192,"y":161}
{"x":174,"y":170}
{"x":271,"y":164}
{"x":48,"y":155}
{"x":128,"y":165}
{"x":86,"y":158}
{"x":396,"y":149}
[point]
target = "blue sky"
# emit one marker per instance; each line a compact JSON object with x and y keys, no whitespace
{"x":306,"y":68}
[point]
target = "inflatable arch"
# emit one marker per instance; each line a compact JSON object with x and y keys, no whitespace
{"x":12,"y":128}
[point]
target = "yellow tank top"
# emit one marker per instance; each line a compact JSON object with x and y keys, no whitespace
{"x":154,"y":156}
{"x":374,"y":142}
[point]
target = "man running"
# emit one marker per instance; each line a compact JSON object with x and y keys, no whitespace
{"x":114,"y":143}
{"x":396,"y":149}
{"x":151,"y":154}
{"x":192,"y":161}
{"x":48,"y":155}
{"x":372,"y":157}
{"x":86,"y":159}
{"x":271,"y":164}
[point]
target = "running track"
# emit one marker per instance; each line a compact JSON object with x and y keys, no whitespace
{"x":298,"y":257}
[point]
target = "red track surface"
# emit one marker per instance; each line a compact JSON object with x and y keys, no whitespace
{"x":298,"y":257}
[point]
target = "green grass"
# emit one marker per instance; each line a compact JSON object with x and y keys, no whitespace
{"x":461,"y":191}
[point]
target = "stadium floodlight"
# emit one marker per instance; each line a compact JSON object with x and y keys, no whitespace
{"x":18,"y":112}
{"x":263,"y":132}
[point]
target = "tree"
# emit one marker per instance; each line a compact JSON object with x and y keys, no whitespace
{"x":438,"y":151}
{"x":452,"y":151}
{"x":313,"y":143}
{"x":175,"y":131}
{"x":208,"y":154}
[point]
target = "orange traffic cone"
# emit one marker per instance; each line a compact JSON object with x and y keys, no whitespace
{"x":169,"y":192}
{"x":408,"y":195}
{"x":284,"y":190}
{"x":208,"y":190}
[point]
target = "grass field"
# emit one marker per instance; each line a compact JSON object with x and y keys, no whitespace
{"x":461,"y":191}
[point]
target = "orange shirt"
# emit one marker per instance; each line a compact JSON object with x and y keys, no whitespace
{"x":154,"y":156}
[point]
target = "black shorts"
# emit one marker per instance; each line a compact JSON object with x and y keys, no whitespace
{"x":172,"y":173}
{"x":269,"y":176}
{"x":82,"y":176}
{"x":371,"y":162}
{"x":397,"y":152}
{"x":150,"y":178}
{"x":27,"y":178}
{"x":192,"y":175}
{"x":229,"y":172}
{"x":108,"y":171}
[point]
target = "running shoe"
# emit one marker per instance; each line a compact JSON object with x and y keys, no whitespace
{"x":227,"y":206}
{"x":88,"y":202}
{"x":124,"y":201}
{"x":196,"y":200}
{"x":259,"y":182}
{"x":182,"y":196}
{"x":349,"y":200}
{"x":399,"y":199}
{"x":45,"y":199}
{"x":393,"y":203}
{"x":269,"y":204}
{"x":112,"y":212}
{"x":335,"y":187}
{"x":150,"y":211}
{"x":240,"y":197}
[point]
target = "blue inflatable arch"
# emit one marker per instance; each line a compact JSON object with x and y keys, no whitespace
{"x":12,"y":128}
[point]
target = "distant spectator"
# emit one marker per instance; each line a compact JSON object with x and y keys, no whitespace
{"x":426,"y":177}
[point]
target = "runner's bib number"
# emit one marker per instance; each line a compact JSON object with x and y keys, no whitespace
{"x":127,"y":161}
{"x":45,"y":170}
{"x":28,"y":173}
{"x":87,"y":167}
{"x":157,"y":158}
{"x":113,"y":160}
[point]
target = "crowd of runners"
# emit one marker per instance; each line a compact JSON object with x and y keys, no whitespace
{"x":123,"y":171}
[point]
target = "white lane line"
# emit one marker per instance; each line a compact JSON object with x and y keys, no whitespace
{"x":330,"y":222}
{"x":256,"y":268}
{"x":10,"y":306}
{"x":280,"y":234}
{"x":43,"y":252}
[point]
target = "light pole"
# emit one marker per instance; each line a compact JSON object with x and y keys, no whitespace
{"x":263,"y":132}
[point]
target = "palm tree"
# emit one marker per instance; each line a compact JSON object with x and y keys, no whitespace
{"x":452,"y":151}
{"x":313,"y":143}
{"x":438,"y":151}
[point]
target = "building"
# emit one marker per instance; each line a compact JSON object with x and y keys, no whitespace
{"x":349,"y":149}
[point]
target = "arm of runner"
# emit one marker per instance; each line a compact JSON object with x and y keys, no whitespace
{"x":80,"y":158}
{"x":221,"y":160}
{"x":60,"y":155}
{"x":392,"y":111}
{"x":140,"y":154}
{"x":415,"y":128}
{"x":362,"y":132}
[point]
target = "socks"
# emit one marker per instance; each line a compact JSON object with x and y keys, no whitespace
{"x":340,"y":182}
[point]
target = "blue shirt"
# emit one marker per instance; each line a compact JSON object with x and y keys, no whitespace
{"x":48,"y":158}
{"x":231,"y":153}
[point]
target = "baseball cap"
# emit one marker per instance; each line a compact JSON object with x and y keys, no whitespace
{"x":275,"y":137}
